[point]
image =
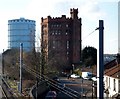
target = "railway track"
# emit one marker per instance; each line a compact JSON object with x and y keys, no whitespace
{"x":69,"y":92}
{"x":4,"y":95}
{"x":7,"y":91}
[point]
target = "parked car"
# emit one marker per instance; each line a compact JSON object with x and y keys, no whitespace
{"x":56,"y":79}
{"x":94,"y":78}
{"x":51,"y":95}
{"x":63,"y":74}
{"x":75,"y":76}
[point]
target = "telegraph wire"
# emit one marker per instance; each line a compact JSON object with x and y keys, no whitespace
{"x":90,"y":33}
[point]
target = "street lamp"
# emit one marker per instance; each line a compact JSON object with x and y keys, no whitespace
{"x":3,"y":63}
{"x":82,"y":90}
{"x":117,"y":61}
{"x":73,"y":67}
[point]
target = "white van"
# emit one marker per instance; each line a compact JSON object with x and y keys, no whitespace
{"x":87,"y":75}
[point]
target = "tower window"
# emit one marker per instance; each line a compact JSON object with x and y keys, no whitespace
{"x":66,"y":25}
{"x":56,"y":32}
{"x":67,"y":44}
{"x":54,"y":45}
{"x":59,"y":32}
{"x":67,"y":58}
{"x":52,"y":33}
{"x":67,"y":52}
{"x":66,"y":33}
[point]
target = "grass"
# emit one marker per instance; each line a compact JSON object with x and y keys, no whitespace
{"x":13,"y":85}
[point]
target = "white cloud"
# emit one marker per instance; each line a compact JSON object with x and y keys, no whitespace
{"x":87,"y":8}
{"x":91,"y":11}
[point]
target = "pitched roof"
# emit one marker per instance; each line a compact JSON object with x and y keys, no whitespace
{"x":112,"y":69}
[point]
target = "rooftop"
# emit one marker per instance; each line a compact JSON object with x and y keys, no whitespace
{"x":112,"y":69}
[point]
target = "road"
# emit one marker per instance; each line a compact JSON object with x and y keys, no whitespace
{"x":2,"y":93}
{"x":84,"y":87}
{"x":78,"y":87}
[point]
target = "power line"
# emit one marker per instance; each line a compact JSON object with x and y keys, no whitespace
{"x":90,"y":33}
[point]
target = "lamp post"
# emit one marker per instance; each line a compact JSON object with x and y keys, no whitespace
{"x":21,"y":64}
{"x":82,"y":90}
{"x":73,"y":67}
{"x":3,"y":63}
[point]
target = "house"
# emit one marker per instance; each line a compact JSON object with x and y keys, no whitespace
{"x":112,"y":78}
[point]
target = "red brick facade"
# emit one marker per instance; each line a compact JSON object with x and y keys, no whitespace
{"x":61,"y":38}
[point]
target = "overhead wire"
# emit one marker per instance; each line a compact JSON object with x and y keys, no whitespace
{"x":70,"y":93}
{"x":90,"y":34}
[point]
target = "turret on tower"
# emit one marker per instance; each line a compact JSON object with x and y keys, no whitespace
{"x":74,"y":13}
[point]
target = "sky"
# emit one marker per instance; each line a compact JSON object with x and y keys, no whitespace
{"x":91,"y":11}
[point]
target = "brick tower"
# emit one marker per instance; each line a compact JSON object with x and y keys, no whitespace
{"x":61,"y":39}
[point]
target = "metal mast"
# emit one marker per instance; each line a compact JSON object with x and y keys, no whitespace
{"x":100,"y":62}
{"x":21,"y":64}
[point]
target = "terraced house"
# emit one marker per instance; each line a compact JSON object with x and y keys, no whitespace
{"x":112,"y":79}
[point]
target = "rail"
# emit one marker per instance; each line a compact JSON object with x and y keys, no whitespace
{"x":68,"y":91}
{"x":8,"y":90}
{"x":4,"y":95}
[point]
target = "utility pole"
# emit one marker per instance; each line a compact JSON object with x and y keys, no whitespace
{"x":36,"y":64}
{"x":21,"y":64}
{"x":100,"y":62}
{"x":3,"y":63}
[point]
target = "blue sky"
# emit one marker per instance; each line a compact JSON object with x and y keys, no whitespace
{"x":91,"y":11}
